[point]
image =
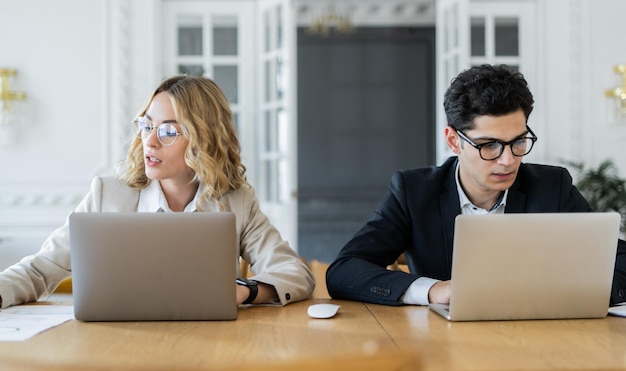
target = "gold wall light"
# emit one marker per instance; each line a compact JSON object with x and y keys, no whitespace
{"x":619,"y":92}
{"x":9,"y":99}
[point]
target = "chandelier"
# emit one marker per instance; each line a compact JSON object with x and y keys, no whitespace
{"x":330,"y":22}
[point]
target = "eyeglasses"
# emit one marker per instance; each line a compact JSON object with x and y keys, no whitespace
{"x":492,"y":150}
{"x":166,"y":133}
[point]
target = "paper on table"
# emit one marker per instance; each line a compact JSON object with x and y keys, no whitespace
{"x":619,"y":310}
{"x":23,"y":321}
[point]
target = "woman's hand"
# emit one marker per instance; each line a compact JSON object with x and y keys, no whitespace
{"x":266,"y":293}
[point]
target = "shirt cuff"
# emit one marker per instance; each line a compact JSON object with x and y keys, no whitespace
{"x":417,"y":293}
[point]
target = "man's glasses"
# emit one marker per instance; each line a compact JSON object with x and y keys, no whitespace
{"x":492,"y":150}
{"x":166,"y":133}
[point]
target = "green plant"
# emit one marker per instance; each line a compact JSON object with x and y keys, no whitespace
{"x":603,"y":188}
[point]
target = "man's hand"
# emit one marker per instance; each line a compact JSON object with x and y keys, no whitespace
{"x":439,"y":293}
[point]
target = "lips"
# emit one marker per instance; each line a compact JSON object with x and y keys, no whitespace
{"x":503,"y":176}
{"x":152,"y":160}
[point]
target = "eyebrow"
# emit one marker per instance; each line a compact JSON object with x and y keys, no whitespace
{"x":171,"y":121}
{"x":490,"y":139}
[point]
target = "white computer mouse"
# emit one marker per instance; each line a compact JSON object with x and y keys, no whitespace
{"x":323,"y":310}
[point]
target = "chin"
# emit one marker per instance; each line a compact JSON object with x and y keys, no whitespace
{"x":503,"y":186}
{"x":152,"y":176}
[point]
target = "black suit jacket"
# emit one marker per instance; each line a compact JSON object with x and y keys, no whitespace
{"x":416,"y":217}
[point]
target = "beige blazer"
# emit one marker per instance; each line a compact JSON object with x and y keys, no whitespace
{"x":272,"y":260}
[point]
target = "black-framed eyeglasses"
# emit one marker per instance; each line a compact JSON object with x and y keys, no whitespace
{"x":166,"y":133}
{"x":490,"y":151}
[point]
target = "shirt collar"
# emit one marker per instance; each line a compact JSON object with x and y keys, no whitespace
{"x":465,"y":201}
{"x":152,"y":199}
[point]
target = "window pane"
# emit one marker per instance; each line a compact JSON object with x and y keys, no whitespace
{"x":449,"y":26}
{"x":454,"y":22}
{"x":281,"y":79}
{"x":478,"y":37}
{"x":225,"y":35}
{"x":268,"y":23}
{"x":191,"y":69}
{"x":265,"y":171}
{"x":236,"y":126}
{"x":189,"y":35}
{"x":282,"y":130}
{"x":226,"y":78}
{"x":268,"y":169}
{"x":269,"y":133}
{"x":268,"y":81}
{"x":282,"y":193}
{"x":507,"y":36}
{"x":279,"y":27}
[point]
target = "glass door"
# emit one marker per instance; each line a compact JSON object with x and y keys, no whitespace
{"x":276,"y":123}
{"x":497,"y":37}
{"x":452,"y":51}
{"x":471,"y":33}
{"x":248,"y":48}
{"x":215,"y":39}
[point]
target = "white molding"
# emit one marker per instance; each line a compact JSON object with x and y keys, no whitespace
{"x":370,"y":13}
{"x":39,"y":199}
{"x":117,"y":84}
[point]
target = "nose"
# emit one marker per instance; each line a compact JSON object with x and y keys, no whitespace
{"x":507,"y":157}
{"x":152,"y":140}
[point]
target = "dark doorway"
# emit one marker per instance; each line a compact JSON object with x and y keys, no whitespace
{"x":365,"y":109}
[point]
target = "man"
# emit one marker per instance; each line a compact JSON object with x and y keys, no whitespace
{"x":487,"y":108}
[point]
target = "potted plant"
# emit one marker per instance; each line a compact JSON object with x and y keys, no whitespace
{"x":603,"y":188}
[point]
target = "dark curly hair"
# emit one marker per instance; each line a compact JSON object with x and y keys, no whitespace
{"x":486,"y":90}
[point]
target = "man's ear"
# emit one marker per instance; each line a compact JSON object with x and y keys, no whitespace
{"x":452,"y":140}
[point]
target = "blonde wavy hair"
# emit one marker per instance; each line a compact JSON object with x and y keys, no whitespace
{"x":213,"y":152}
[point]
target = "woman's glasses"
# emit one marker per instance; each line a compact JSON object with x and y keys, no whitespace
{"x":166,"y":133}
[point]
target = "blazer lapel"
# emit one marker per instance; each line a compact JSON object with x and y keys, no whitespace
{"x":450,"y":208}
{"x":515,"y":202}
{"x":516,"y":199}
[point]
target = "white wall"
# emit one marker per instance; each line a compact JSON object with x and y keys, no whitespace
{"x":607,"y":48}
{"x":88,"y":65}
{"x":57,"y":48}
{"x":579,"y":45}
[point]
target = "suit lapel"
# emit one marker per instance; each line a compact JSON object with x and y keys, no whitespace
{"x":515,"y":202}
{"x":449,"y":205}
{"x":516,"y":199}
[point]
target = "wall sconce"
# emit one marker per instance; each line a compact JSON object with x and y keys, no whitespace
{"x":619,"y":92}
{"x":9,"y":114}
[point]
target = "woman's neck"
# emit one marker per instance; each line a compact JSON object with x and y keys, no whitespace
{"x":178,"y":195}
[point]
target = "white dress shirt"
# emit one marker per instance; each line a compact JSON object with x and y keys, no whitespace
{"x":152,"y":199}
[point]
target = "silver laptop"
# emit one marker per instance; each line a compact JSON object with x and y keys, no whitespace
{"x":532,"y":266}
{"x":153,"y":266}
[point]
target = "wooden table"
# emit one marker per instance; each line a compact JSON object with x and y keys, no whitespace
{"x":276,"y":338}
{"x":581,"y":344}
{"x":360,"y":337}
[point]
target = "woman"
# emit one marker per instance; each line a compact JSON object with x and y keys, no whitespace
{"x":186,"y":157}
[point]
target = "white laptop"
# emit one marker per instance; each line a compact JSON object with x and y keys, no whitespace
{"x":532,"y":266}
{"x":153,"y":266}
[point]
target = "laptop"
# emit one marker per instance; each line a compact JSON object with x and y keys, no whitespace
{"x":532,"y":266}
{"x":154,"y":266}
